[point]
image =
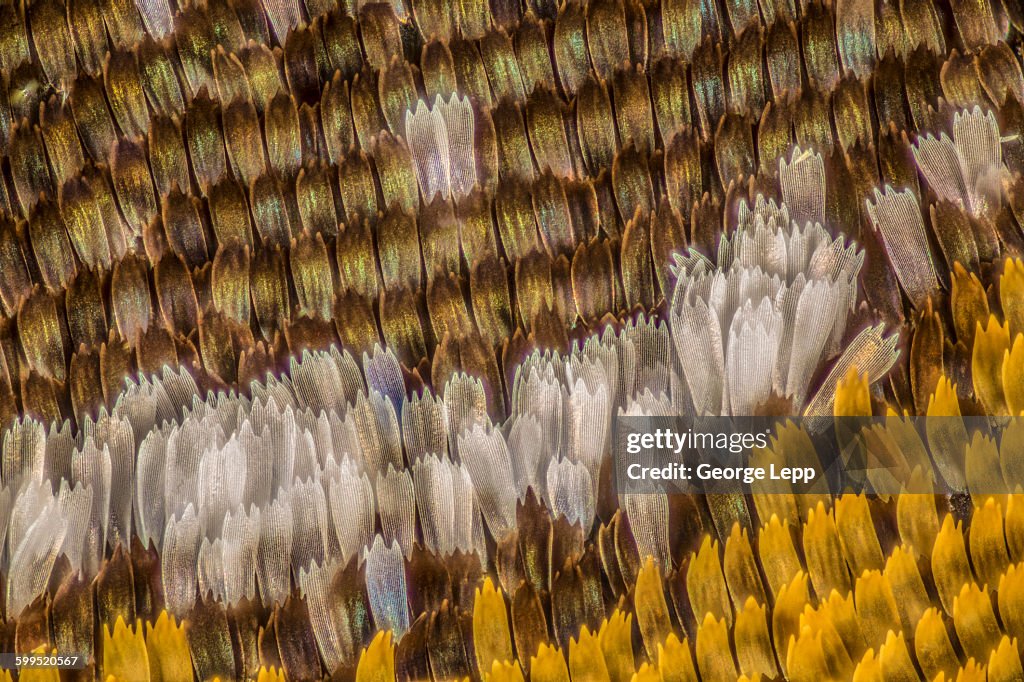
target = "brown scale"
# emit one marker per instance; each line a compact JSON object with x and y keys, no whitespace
{"x":15,"y":280}
{"x":682,"y":170}
{"x":708,"y":86}
{"x":184,"y":229}
{"x":632,"y":184}
{"x":158,"y":70}
{"x":506,"y":14}
{"x":131,"y":306}
{"x":889,"y":90}
{"x":438,"y":70}
{"x":532,"y":53}
{"x":32,"y":627}
{"x":205,"y":140}
{"x":168,"y":159}
{"x":734,"y":149}
{"x":28,"y":166}
{"x":41,"y":396}
{"x":607,"y":37}
{"x":226,"y":339}
{"x":357,"y":188}
{"x":430,"y":584}
{"x":782,"y":57}
{"x":125,"y":94}
{"x":670,"y":97}
{"x":633,"y":112}
{"x":486,"y":143}
{"x":545,"y":124}
{"x":115,"y":363}
{"x":534,"y":543}
{"x":473,"y":16}
{"x":244,"y":620}
{"x":26,"y":91}
{"x":617,"y":551}
{"x":341,"y":42}
{"x":812,"y":124}
{"x":381,"y":34}
{"x":86,"y":310}
{"x":554,"y":215}
{"x":230,"y":284}
{"x":960,"y":85}
{"x":157,"y":347}
{"x":529,"y":622}
{"x":262,"y":68}
{"x":968,"y":304}
{"x":955,"y":236}
{"x":491,"y":300}
{"x":295,"y":641}
{"x":516,"y":220}
{"x":244,"y":141}
{"x":819,"y":48}
{"x":229,"y":74}
{"x":514,"y":157}
{"x":637,"y":31}
{"x":311,"y":275}
{"x":14,"y":47}
{"x":42,"y":336}
{"x":576,"y":596}
{"x":176,"y":295}
{"x":608,"y":220}
{"x":395,"y":173}
{"x":316,"y":198}
{"x":439,"y":239}
{"x":52,"y":40}
{"x":469,"y":354}
{"x":571,"y":55}
{"x":470,"y":76}
{"x":923,"y":87}
{"x":336,"y":119}
{"x":851,"y":113}
{"x":447,"y":308}
{"x":477,"y":232}
{"x":533,"y":285}
{"x":593,"y":280}
{"x":398,"y":245}
{"x":401,"y":323}
{"x":115,"y":590}
{"x":357,"y":260}
{"x":396,"y":92}
{"x":61,"y":140}
{"x":73,"y":616}
{"x":635,"y":261}
{"x":411,"y":658}
{"x":596,"y":125}
{"x":667,"y":235}
{"x":194,"y":38}
{"x":449,"y":647}
{"x":1011,"y":120}
{"x":209,"y":640}
{"x":133,"y":184}
{"x":896,"y":160}
{"x":844,"y":208}
{"x":270,"y":212}
{"x":301,"y":67}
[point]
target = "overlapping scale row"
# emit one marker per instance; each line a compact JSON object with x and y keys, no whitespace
{"x":314,"y":318}
{"x":150,"y":145}
{"x":331,"y":472}
{"x":298,"y":576}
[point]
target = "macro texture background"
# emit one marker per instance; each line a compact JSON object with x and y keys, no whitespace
{"x":315,"y":319}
